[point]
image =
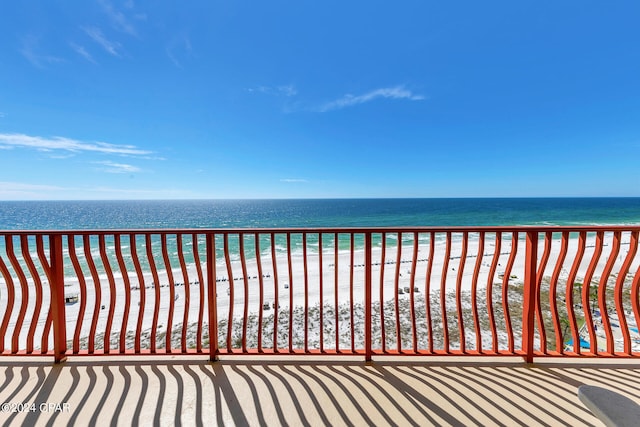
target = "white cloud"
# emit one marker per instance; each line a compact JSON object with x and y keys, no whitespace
{"x":30,"y":50}
{"x":19,"y":190}
{"x":80,"y":50}
{"x":10,"y":140}
{"x":112,"y":167}
{"x":179,"y":46}
{"x":97,"y":36}
{"x":349,"y":100}
{"x":284,"y":90}
{"x":118,"y":19}
{"x":293,"y":180}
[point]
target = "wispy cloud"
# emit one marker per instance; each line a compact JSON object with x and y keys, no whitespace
{"x":9,"y":140}
{"x":30,"y":49}
{"x":80,"y":50}
{"x":2,"y":115}
{"x":23,"y":190}
{"x":96,"y":35}
{"x":117,"y":18}
{"x":283,"y":90}
{"x":179,"y":47}
{"x":349,"y":100}
{"x":112,"y":167}
{"x":293,"y":180}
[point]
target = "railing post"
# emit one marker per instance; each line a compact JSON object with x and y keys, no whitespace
{"x":56,"y":283}
{"x":211,"y":293}
{"x":530,"y":293}
{"x":367,"y":295}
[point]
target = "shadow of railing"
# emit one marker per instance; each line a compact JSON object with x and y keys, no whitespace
{"x":303,"y":392}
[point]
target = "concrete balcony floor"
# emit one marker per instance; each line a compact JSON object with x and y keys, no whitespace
{"x":307,"y":391}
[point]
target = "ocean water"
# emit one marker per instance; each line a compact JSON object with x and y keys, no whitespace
{"x":139,"y":214}
{"x":205,"y":214}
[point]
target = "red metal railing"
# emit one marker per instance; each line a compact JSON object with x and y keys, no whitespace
{"x":519,"y":291}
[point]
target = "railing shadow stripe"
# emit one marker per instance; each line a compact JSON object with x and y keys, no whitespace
{"x":325,"y":390}
{"x":546,"y":388}
{"x":199,"y":393}
{"x":345,"y":391}
{"x":302,"y":380}
{"x":489,"y":387}
{"x":162,"y":387}
{"x":434,"y":380}
{"x":24,"y":380}
{"x":256,"y":397}
{"x":369,"y":397}
{"x":72,"y":389}
{"x":401,"y":388}
{"x":222,"y":388}
{"x":513,"y":390}
{"x":179,"y":395}
{"x":137,"y":413}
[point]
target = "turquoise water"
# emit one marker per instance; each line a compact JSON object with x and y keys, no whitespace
{"x":55,"y":215}
{"x":60,"y":215}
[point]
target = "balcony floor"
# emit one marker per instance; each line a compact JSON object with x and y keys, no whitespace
{"x":308,"y":391}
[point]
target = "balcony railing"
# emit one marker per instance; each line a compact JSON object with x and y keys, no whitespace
{"x":515,"y":291}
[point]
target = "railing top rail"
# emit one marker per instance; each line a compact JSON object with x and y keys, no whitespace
{"x":264,"y":230}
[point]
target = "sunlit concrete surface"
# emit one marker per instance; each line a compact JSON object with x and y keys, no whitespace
{"x":305,"y":391}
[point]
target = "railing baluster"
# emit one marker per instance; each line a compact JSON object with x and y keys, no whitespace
{"x":306,"y":292}
{"x":8,"y":280}
{"x":24,"y":295}
{"x":112,"y":293}
{"x":56,"y":280}
{"x":505,"y":290}
{"x":172,"y":293}
{"x":367,"y":298}
{"x":492,"y":272}
{"x":463,"y":259}
{"x":261,"y":290}
{"x":383,"y":335}
{"x":586,"y":286}
{"x":245,"y":280}
{"x":474,"y":292}
{"x":335,"y":293}
{"x":320,"y":291}
{"x":553,"y":292}
{"x":427,"y":290}
{"x":412,"y":294}
{"x":443,"y":292}
{"x":602,"y":292}
{"x":156,"y":289}
{"x":530,"y":292}
{"x":276,"y":308}
{"x":211,"y":293}
{"x":231,"y":293}
{"x":290,"y":269}
{"x":397,"y":292}
{"x":573,"y":323}
{"x":47,"y":270}
{"x":201,"y":284}
{"x":37,"y":283}
{"x":186,"y":285}
{"x":127,"y":293}
{"x":537,"y":302}
{"x":143,"y":292}
{"x":351,"y":268}
{"x":624,"y":270}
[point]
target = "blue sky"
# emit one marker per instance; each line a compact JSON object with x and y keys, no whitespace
{"x":129,"y":99}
